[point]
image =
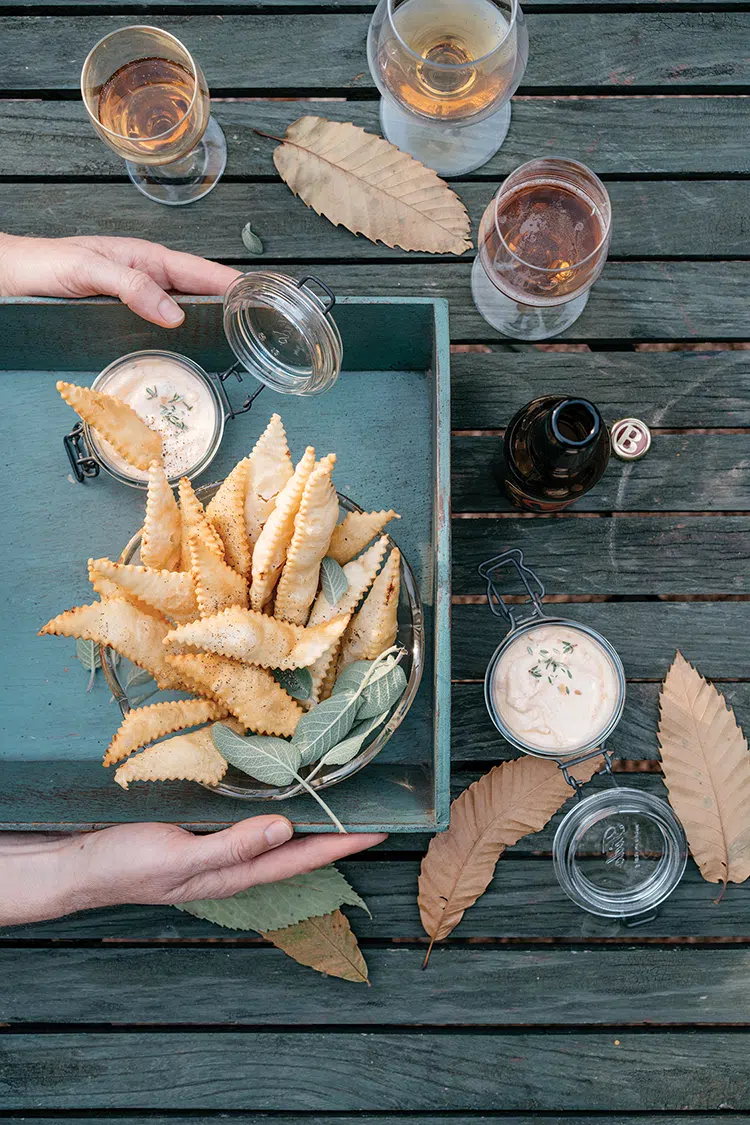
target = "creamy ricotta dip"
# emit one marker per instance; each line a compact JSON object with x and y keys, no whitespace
{"x":170,"y":397}
{"x":555,"y":688}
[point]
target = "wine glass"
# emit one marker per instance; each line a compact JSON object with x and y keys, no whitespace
{"x":148,"y":100}
{"x":543,"y":242}
{"x":447,"y":70}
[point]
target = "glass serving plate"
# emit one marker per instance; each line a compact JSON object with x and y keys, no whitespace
{"x":118,"y":672}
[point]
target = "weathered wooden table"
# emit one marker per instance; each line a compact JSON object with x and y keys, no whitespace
{"x":534,"y":1011}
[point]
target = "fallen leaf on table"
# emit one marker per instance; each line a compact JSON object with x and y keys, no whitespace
{"x":325,"y":943}
{"x":509,"y":802}
{"x":707,"y":773}
{"x":273,"y":906}
{"x":366,"y":184}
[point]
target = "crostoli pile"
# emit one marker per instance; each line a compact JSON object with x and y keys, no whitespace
{"x":227,"y":593}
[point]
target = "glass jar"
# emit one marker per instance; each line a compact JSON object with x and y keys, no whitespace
{"x":281,"y":332}
{"x":620,"y":852}
{"x":140,"y":379}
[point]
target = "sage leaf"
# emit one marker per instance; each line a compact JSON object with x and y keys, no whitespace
{"x":351,"y":678}
{"x":137,"y":678}
{"x":88,"y":654}
{"x":138,"y":700}
{"x":297,"y":682}
{"x":324,"y":726}
{"x":333,"y":581}
{"x":273,"y":906}
{"x":349,"y":747}
{"x":386,"y":687}
{"x":251,"y":241}
{"x":268,"y":759}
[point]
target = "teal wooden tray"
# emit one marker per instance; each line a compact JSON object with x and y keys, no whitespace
{"x":387,"y":418}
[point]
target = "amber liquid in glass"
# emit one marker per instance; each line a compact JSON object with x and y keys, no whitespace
{"x":451,"y":34}
{"x":549,"y":230}
{"x":149,"y":100}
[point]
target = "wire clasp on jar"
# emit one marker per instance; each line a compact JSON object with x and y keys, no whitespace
{"x":573,"y":782}
{"x":531,"y":583}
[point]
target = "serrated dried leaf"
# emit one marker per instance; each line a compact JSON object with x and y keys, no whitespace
{"x":326,"y":944}
{"x":707,"y":772}
{"x":509,"y":802}
{"x":366,"y":184}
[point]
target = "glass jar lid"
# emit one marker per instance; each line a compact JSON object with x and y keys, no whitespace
{"x":282,"y":332}
{"x":619,"y":853}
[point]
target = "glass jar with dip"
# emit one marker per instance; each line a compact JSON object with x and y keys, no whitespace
{"x":555,"y":688}
{"x":281,"y":332}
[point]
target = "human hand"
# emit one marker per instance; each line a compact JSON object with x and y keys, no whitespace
{"x":136,"y":271}
{"x":46,"y":875}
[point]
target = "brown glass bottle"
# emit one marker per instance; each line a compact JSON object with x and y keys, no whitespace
{"x":556,"y":449}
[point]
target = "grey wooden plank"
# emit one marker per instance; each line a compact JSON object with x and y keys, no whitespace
{"x":577,"y":1118}
{"x":682,"y":473}
{"x":713,"y":635}
{"x":420,"y":1071}
{"x":613,"y":554}
{"x":669,"y":389}
{"x":88,"y":7}
{"x":400,"y":1119}
{"x":616,"y":135}
{"x":655,"y":219}
{"x":695,"y":301}
{"x":631,"y":300}
{"x":463,"y":987}
{"x":475,"y":738}
{"x":523,"y":902}
{"x":673,"y":50}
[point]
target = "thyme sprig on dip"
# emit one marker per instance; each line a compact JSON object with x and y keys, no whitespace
{"x":550,"y":666}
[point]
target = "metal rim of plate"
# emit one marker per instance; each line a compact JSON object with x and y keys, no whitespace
{"x":414,"y":644}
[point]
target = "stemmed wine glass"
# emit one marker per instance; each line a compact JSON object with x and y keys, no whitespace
{"x":447,"y":70}
{"x":543,"y":242}
{"x":148,"y":100}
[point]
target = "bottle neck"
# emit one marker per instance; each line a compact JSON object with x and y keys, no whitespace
{"x":566,"y":435}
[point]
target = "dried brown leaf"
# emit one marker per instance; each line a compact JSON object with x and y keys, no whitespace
{"x":509,"y":802}
{"x":707,"y":772}
{"x":326,"y":943}
{"x":366,"y":184}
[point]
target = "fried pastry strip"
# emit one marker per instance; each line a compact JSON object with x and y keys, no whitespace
{"x":195,"y":522}
{"x":373,"y":629}
{"x":360,"y":574}
{"x":186,"y":757}
{"x":118,"y":623}
{"x":171,"y":592}
{"x":143,"y":725}
{"x":270,"y":466}
{"x":355,"y":531}
{"x":226,"y":513}
{"x":249,"y":692}
{"x":269,"y":553}
{"x":217,"y":586}
{"x":162,"y":528}
{"x":253,"y":638}
{"x":116,"y":422}
{"x":313,"y":526}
